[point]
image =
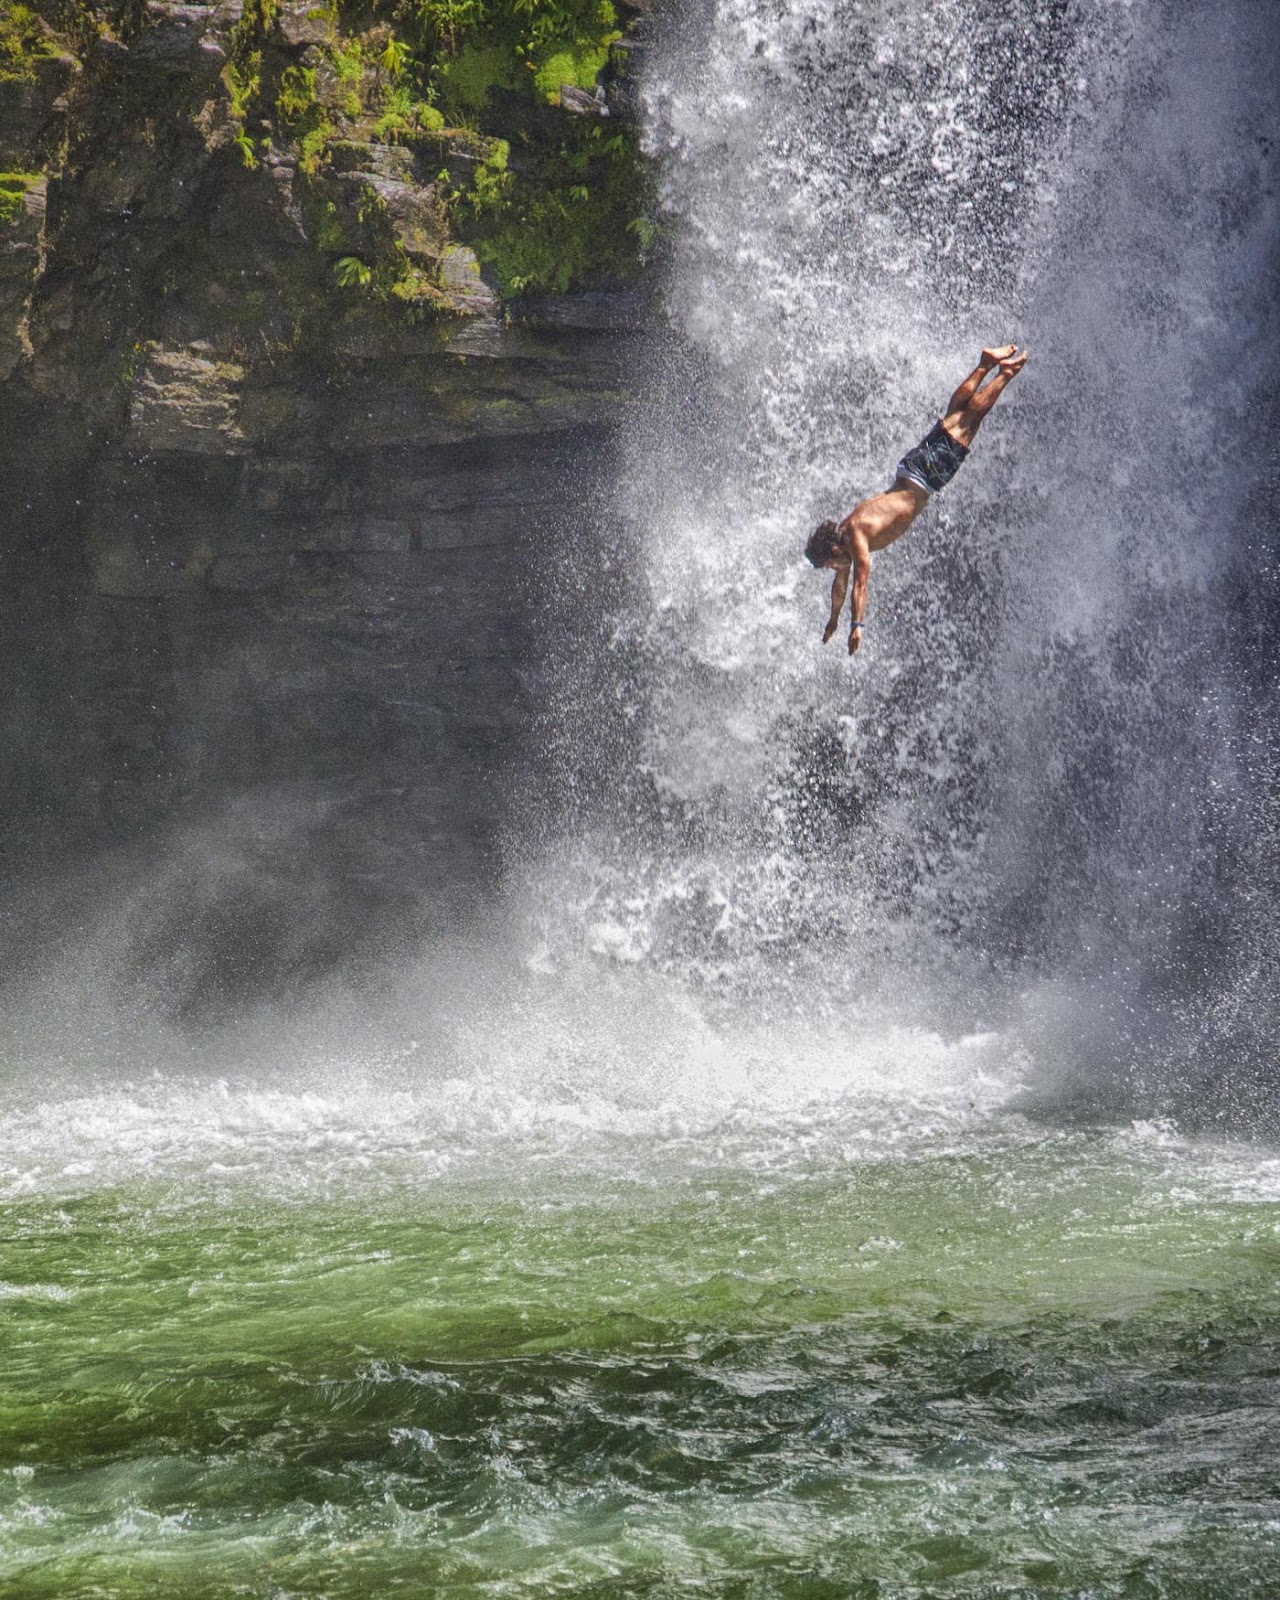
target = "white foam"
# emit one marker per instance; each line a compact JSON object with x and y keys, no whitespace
{"x":751,"y":1099}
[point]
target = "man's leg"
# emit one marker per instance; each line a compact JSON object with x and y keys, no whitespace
{"x":963,"y":422}
{"x":960,"y":400}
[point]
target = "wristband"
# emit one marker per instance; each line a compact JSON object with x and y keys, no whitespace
{"x":855,"y":625}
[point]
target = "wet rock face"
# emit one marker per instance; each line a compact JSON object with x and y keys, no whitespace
{"x":20,"y":261}
{"x":274,"y":549}
{"x":185,"y":400}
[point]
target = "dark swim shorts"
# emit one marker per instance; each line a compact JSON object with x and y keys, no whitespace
{"x":934,"y":461}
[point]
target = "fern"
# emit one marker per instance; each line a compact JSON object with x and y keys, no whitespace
{"x":352,"y":273}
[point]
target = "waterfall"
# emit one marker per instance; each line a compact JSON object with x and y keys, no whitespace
{"x":693,"y":1228}
{"x":1035,"y":798}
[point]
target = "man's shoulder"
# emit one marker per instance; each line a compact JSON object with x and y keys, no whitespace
{"x":860,"y":525}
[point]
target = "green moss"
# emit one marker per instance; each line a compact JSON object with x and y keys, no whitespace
{"x":297,"y":95}
{"x":243,"y":80}
{"x":404,"y":118}
{"x":464,"y":81}
{"x":579,"y":65}
{"x":347,"y":58}
{"x":327,"y":231}
{"x":398,"y":116}
{"x":311,"y":147}
{"x":253,"y":27}
{"x":24,"y":43}
{"x":575,"y":220}
{"x":493,"y":180}
{"x":307,"y":121}
{"x":572,"y":210}
{"x":13,"y":188}
{"x":554,"y":202}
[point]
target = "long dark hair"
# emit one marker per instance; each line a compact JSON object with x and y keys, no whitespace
{"x":824,"y":542}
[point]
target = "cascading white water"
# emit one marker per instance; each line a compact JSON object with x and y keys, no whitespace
{"x":1028,"y":774}
{"x":1024,"y":815}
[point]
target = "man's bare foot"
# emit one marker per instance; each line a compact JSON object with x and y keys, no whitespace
{"x":997,"y":353}
{"x":1011,"y":366}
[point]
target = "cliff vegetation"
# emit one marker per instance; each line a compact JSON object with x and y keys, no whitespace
{"x":434,"y":153}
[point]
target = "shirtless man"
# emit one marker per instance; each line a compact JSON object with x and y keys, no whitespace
{"x":845,"y":547}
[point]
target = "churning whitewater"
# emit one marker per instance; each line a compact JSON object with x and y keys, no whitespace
{"x":717,"y":1225}
{"x":1018,"y":807}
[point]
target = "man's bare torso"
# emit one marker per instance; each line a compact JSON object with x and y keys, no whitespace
{"x":881,"y":518}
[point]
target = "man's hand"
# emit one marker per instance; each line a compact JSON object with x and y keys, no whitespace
{"x":855,"y":640}
{"x":829,"y":632}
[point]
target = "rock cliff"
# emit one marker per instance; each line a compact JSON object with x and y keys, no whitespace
{"x":291,"y":421}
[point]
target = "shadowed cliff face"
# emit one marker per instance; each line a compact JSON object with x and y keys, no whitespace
{"x":275,"y":546}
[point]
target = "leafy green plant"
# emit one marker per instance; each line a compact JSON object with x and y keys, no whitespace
{"x":572,"y":222}
{"x":550,"y":246}
{"x":466,"y":79}
{"x":413,"y":289}
{"x":250,"y":31}
{"x":645,"y":230}
{"x":566,"y":41}
{"x":398,"y":116}
{"x":394,"y":57}
{"x":443,"y":23}
{"x":298,"y":107}
{"x":352,"y":273}
{"x":403,"y":117}
{"x":348,"y":61}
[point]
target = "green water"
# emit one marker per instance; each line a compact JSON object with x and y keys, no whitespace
{"x":1002,"y":1361}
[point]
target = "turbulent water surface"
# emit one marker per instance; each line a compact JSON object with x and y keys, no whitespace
{"x":876,"y":1339}
{"x":787,"y":1201}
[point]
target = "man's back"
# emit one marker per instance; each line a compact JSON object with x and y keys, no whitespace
{"x":882,"y":518}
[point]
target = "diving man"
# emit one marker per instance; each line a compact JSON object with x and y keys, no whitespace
{"x":845,"y":547}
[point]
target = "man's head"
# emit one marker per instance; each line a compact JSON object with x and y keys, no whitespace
{"x":824,"y":544}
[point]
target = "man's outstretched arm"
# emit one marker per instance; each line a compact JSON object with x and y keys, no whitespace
{"x":861,"y":573}
{"x":839,"y":589}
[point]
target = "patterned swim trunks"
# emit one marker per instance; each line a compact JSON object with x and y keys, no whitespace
{"x":934,"y":461}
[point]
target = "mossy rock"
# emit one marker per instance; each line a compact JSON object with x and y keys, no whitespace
{"x":361,"y":155}
{"x":26,"y":40}
{"x":14,"y":188}
{"x":457,"y":102}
